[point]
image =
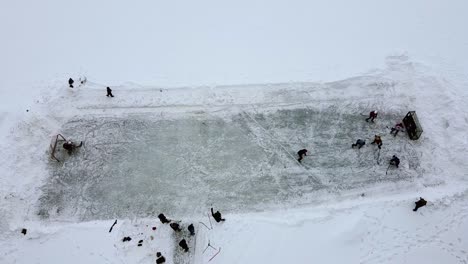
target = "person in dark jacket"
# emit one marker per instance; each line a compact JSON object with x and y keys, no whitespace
{"x":301,"y":153}
{"x":109,"y":92}
{"x":163,"y":219}
{"x":395,"y":161}
{"x":420,"y":204}
{"x":160,"y":258}
{"x":372,"y":115}
{"x":191,"y":229}
{"x":217,"y":216}
{"x":175,"y":227}
{"x":71,"y":146}
{"x":378,"y":141}
{"x":359,"y":143}
{"x":183,"y":245}
{"x":70,"y":82}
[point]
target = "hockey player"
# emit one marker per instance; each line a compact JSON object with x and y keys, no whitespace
{"x":217,"y":216}
{"x":160,"y":258}
{"x":109,"y":92}
{"x":359,"y":143}
{"x":419,"y":204}
{"x":183,"y":245}
{"x":191,"y":229}
{"x":301,"y":153}
{"x":175,"y":227}
{"x":372,"y":115}
{"x":378,"y":141}
{"x":70,"y":82}
{"x":397,"y":128}
{"x":395,"y":161}
{"x":70,"y":146}
{"x":163,"y":219}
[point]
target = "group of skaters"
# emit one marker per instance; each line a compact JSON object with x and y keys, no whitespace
{"x":394,"y":161}
{"x":83,"y":81}
{"x":176,"y":226}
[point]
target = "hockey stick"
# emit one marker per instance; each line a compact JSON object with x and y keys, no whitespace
{"x":205,"y":225}
{"x":388,"y":168}
{"x":209,"y":219}
{"x":378,"y":157}
{"x":215,"y":254}
{"x":110,"y":230}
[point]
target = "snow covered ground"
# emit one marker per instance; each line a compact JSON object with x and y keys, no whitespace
{"x":212,"y":102}
{"x":179,"y":151}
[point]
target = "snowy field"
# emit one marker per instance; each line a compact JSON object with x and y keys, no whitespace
{"x":212,"y":102}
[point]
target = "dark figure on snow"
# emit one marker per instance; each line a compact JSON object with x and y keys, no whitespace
{"x":420,"y":204}
{"x":191,"y":229}
{"x":183,"y":245}
{"x":378,"y":141}
{"x":301,"y":153}
{"x":70,"y":146}
{"x":397,"y":128}
{"x":163,"y":219}
{"x":109,"y":92}
{"x":217,"y":216}
{"x":395,"y":161}
{"x":175,"y":227}
{"x":359,"y":143}
{"x":160,"y":258}
{"x":372,"y":115}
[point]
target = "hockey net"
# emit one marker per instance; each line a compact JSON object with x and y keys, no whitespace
{"x":54,"y":145}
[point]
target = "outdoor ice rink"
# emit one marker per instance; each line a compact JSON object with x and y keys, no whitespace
{"x":238,"y":157}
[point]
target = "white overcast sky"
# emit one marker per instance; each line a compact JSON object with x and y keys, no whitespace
{"x":174,"y":43}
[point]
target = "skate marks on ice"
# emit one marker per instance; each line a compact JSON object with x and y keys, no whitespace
{"x":141,"y":165}
{"x":328,"y":136}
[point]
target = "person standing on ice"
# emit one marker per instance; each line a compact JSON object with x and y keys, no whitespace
{"x":70,"y":146}
{"x":395,"y":161}
{"x":397,"y":128}
{"x":109,"y":92}
{"x":70,"y":82}
{"x":191,"y":229}
{"x":217,"y":216}
{"x":175,"y":227}
{"x":183,"y":245}
{"x":359,"y":143}
{"x":378,"y":141}
{"x":160,"y":258}
{"x":301,"y":153}
{"x":163,"y":219}
{"x":420,"y":204}
{"x":372,"y":115}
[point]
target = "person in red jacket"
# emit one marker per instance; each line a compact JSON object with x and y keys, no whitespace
{"x":398,"y":127}
{"x":372,"y":115}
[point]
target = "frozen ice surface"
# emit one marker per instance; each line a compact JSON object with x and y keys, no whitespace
{"x":239,"y":159}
